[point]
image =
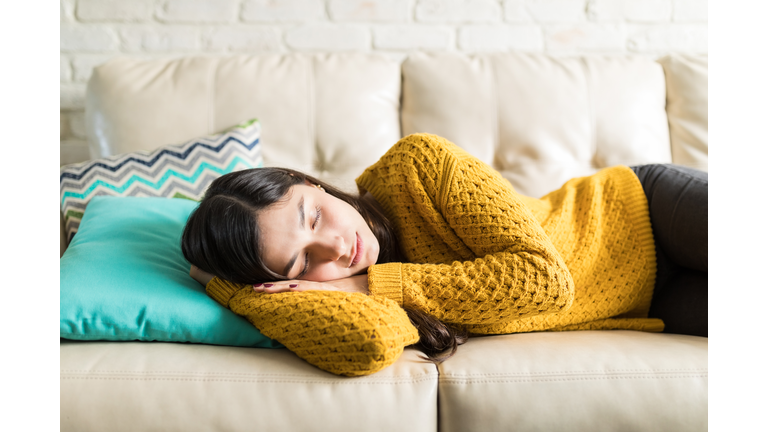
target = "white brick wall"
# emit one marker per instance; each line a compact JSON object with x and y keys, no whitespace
{"x":413,"y":37}
{"x":93,"y":31}
{"x":198,"y":11}
{"x":369,"y":10}
{"x":115,"y":10}
{"x":458,"y":11}
{"x":282,"y":11}
{"x":477,"y":38}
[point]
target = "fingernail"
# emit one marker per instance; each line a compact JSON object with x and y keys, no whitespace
{"x":257,"y":285}
{"x":268,"y":285}
{"x":293,"y":285}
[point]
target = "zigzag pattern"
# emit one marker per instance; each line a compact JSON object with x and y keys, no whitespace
{"x":180,"y":171}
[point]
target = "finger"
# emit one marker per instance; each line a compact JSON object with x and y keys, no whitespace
{"x":266,"y":286}
{"x":271,"y":288}
{"x":300,"y":288}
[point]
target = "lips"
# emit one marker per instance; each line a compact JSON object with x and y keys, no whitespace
{"x":358,"y":251}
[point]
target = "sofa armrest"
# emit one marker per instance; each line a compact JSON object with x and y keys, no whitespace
{"x":62,"y":235}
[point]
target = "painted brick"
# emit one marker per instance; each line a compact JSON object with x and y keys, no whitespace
{"x":648,"y":10}
{"x":76,"y":121}
{"x":246,"y":39}
{"x":83,"y":65}
{"x":605,"y":10}
{"x":629,"y":10}
{"x":115,"y":10}
{"x":284,"y":10}
{"x":66,"y":69}
{"x":160,"y":39}
{"x":457,"y":11}
{"x":87,"y":38}
{"x":369,"y":10}
{"x":690,"y":10}
{"x":585,"y":37}
{"x":72,"y":96}
{"x":516,"y":12}
{"x":73,"y":151}
{"x":327,"y":37}
{"x":407,"y":37}
{"x":501,"y":37}
{"x":669,"y":37}
{"x":556,"y":11}
{"x":198,"y":11}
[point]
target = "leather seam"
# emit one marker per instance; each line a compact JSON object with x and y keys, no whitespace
{"x":596,"y":162}
{"x":348,"y":381}
{"x":312,"y":97}
{"x":85,"y":371}
{"x":497,"y":109}
{"x":610,"y":371}
{"x":603,"y":378}
{"x":212,"y":96}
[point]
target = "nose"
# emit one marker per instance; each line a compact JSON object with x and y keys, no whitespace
{"x":331,"y":247}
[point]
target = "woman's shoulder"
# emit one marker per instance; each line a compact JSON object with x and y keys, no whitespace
{"x":424,"y":157}
{"x":417,"y":159}
{"x":425,"y":145}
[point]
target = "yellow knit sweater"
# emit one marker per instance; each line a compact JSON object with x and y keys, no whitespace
{"x":479,"y":256}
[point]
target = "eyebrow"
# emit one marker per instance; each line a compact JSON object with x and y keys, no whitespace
{"x":292,"y":261}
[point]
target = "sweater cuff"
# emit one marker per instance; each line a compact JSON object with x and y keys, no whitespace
{"x":385,"y":280}
{"x":222,"y":291}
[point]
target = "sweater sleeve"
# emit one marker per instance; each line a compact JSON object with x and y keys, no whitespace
{"x":508,"y":269}
{"x":342,"y":333}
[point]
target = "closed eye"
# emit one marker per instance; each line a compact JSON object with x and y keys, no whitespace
{"x":306,"y":267}
{"x":318,"y":214}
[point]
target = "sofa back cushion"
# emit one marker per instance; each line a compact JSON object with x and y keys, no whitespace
{"x":687,"y":107}
{"x":540,"y":120}
{"x":327,"y":115}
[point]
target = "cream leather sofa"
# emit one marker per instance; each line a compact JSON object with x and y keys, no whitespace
{"x":538,"y":120}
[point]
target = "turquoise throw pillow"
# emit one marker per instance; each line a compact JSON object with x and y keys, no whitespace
{"x":123,"y":277}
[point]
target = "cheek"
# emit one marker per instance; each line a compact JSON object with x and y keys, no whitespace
{"x":324,"y":272}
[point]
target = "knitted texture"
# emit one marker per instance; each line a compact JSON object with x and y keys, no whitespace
{"x":487,"y":259}
{"x":342,"y":333}
{"x":479,"y":256}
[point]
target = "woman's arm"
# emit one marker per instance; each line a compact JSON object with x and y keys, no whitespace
{"x":342,"y":333}
{"x":497,"y":288}
{"x":352,"y":284}
{"x":202,"y":277}
{"x":478,"y":255}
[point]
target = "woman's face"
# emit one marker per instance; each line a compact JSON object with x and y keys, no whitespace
{"x":312,"y":235}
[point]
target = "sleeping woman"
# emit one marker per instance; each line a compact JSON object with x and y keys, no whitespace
{"x":439,"y":247}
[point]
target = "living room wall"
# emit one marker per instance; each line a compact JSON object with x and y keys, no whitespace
{"x":93,"y":31}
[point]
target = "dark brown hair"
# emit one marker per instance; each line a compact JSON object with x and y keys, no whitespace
{"x":221,"y":237}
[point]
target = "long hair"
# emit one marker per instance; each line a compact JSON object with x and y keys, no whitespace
{"x":222,"y":237}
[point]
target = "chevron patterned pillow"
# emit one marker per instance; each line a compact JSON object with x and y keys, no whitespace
{"x":175,"y":171}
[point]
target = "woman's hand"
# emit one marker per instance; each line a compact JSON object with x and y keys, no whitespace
{"x":352,"y":284}
{"x":200,"y":276}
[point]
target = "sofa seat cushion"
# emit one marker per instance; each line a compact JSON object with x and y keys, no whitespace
{"x":134,"y":386}
{"x":576,"y":381}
